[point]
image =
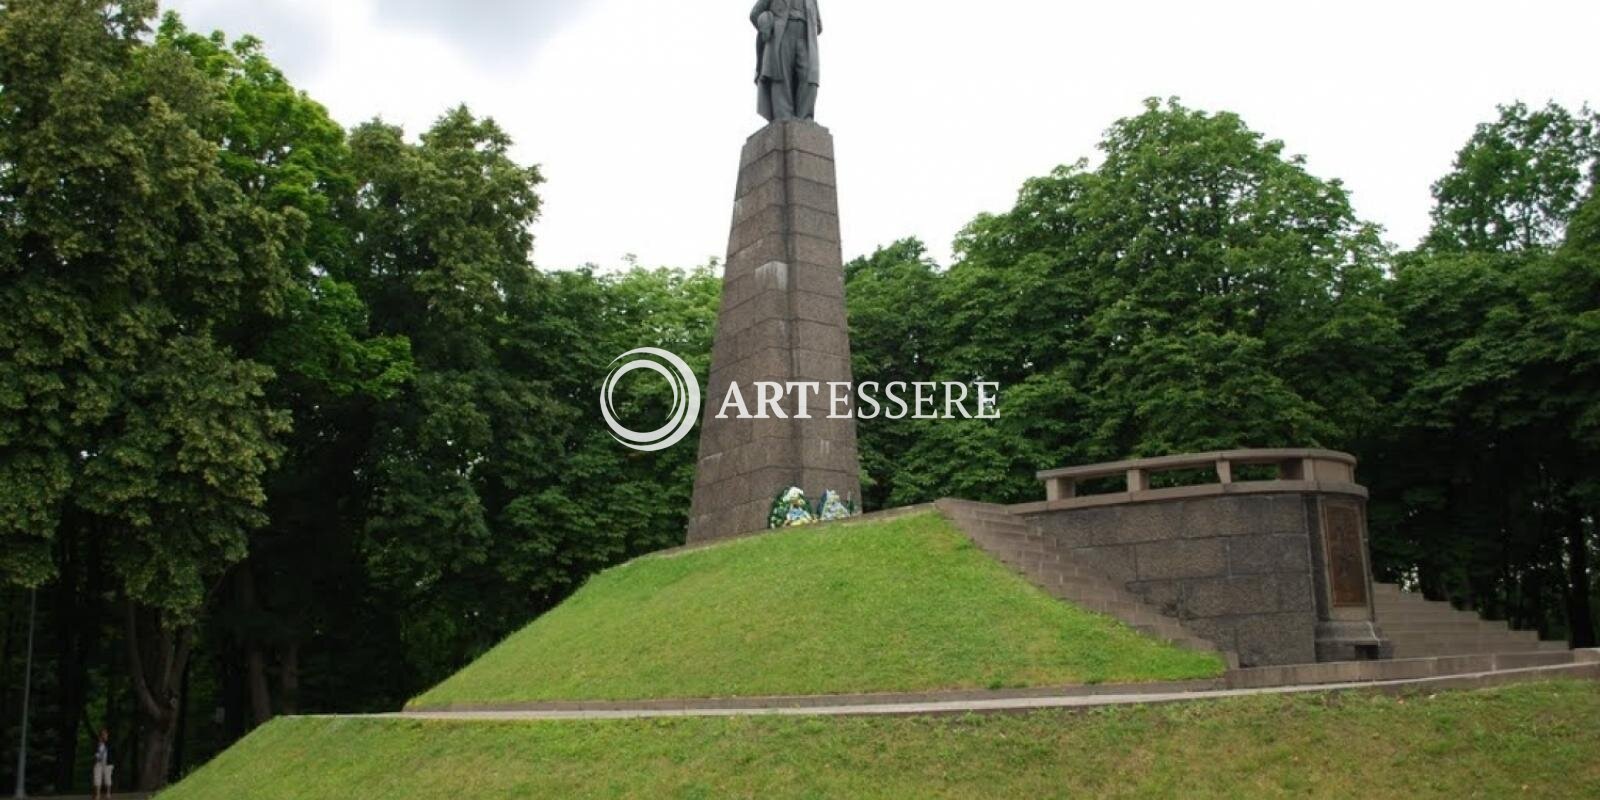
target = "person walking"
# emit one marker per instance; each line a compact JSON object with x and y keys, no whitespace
{"x":102,"y":766}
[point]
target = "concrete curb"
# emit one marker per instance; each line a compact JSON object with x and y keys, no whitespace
{"x":1451,"y":672}
{"x":1584,"y":668}
{"x":758,"y":703}
{"x":1401,"y":669}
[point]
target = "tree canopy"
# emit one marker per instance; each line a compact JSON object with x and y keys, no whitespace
{"x":1197,"y":290}
{"x":290,"y":420}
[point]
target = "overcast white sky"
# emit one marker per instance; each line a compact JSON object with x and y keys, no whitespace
{"x":636,"y":109}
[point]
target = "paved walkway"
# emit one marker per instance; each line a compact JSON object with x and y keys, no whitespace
{"x":115,"y":796}
{"x":710,"y":708}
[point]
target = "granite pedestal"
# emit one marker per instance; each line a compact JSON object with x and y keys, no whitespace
{"x":782,"y":320}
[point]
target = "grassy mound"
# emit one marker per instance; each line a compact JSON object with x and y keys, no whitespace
{"x":903,"y":605}
{"x":1535,"y":740}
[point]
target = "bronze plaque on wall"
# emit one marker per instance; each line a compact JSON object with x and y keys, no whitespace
{"x":1347,"y":569}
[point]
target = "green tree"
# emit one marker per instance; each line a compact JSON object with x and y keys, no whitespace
{"x":441,"y":256}
{"x":492,"y":488}
{"x":1484,"y":485}
{"x":891,"y":340}
{"x":215,"y":259}
{"x":1198,"y":289}
{"x":287,"y":154}
{"x":1518,"y":181}
{"x":138,"y":258}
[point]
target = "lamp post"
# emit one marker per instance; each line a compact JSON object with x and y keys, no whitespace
{"x":27,"y":686}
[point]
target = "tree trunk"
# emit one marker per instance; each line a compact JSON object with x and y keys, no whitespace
{"x":155,"y":753}
{"x":157,"y":657}
{"x":71,"y":675}
{"x":181,"y":740}
{"x":10,"y":664}
{"x":1580,"y":609}
{"x":78,"y":637}
{"x":235,"y":696}
{"x":289,"y":692}
{"x":244,"y":581}
{"x":260,"y":692}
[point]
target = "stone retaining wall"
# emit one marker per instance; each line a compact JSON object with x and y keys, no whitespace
{"x":1237,"y":570}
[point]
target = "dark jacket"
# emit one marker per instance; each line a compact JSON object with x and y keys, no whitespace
{"x":771,"y":18}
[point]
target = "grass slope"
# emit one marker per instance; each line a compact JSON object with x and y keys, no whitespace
{"x":908,"y":604}
{"x":1534,"y":740}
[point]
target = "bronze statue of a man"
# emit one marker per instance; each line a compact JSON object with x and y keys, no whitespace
{"x":788,"y":68}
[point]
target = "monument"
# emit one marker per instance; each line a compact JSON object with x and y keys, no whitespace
{"x":783,"y":315}
{"x":788,"y":63}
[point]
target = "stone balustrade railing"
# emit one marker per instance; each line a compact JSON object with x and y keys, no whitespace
{"x":1296,"y":470}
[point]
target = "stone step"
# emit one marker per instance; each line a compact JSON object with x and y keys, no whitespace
{"x":1416,"y":605}
{"x":1021,"y":551}
{"x":1406,"y":650}
{"x":1390,"y":591}
{"x":1412,"y":650}
{"x":1392,"y":628}
{"x":1067,"y":572}
{"x":960,"y":503}
{"x":990,"y":515}
{"x":1436,"y":609}
{"x":1409,"y":623}
{"x":1403,"y":598}
{"x":1422,"y":649}
{"x":1033,"y":566}
{"x":1120,"y":605}
{"x":1046,"y":568}
{"x":995,"y":544}
{"x":1002,"y":520}
{"x":1425,"y":614}
{"x":1088,"y":586}
{"x":1168,"y":633}
{"x":967,"y":508}
{"x":1013,"y":542}
{"x":1524,"y":638}
{"x":1017,"y":557}
{"x":1002,"y":536}
{"x":1126,"y":606}
{"x":1020,"y":531}
{"x":1097,"y":598}
{"x":1432,"y":615}
{"x":985,"y":513}
{"x":1469,"y":622}
{"x":1132,"y":613}
{"x":1082,"y":591}
{"x":1405,"y":603}
{"x":1421,"y":628}
{"x":1481,"y":633}
{"x":975,"y":528}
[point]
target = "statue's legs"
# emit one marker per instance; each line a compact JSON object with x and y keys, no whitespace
{"x":805,"y":103}
{"x":795,"y":97}
{"x":805,"y":92}
{"x":782,"y":100}
{"x":787,"y":104}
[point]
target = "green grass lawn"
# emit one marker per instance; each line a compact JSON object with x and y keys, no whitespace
{"x":1533,"y":740}
{"x":903,"y":605}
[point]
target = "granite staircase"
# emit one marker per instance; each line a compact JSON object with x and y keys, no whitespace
{"x":1012,"y":542}
{"x":1421,"y":628}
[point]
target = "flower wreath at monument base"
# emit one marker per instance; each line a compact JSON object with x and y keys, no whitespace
{"x":790,"y":509}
